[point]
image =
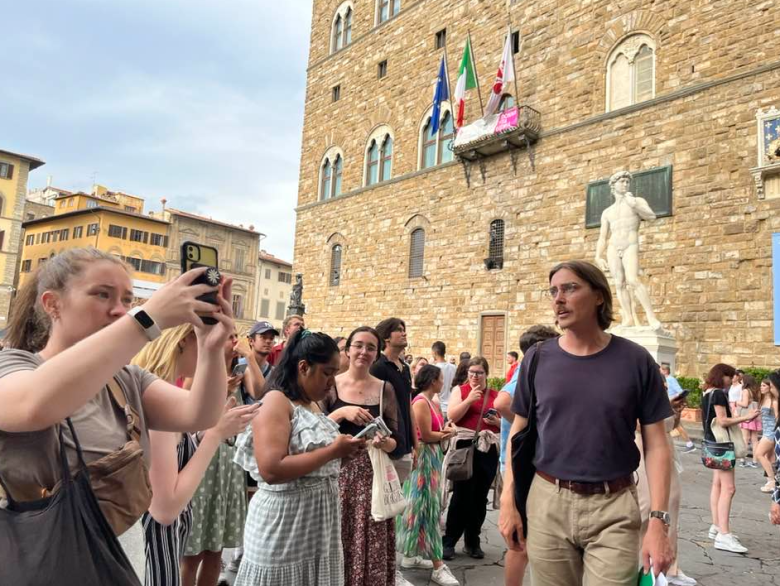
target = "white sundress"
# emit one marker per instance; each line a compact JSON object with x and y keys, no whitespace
{"x":293,"y":530}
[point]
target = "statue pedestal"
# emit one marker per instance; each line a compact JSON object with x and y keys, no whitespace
{"x":660,"y":343}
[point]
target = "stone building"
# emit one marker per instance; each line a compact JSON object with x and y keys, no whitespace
{"x":274,"y":285}
{"x":14,"y":171}
{"x":237,"y":247}
{"x":684,"y":91}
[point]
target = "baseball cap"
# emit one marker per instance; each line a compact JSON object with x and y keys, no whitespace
{"x":262,"y":327}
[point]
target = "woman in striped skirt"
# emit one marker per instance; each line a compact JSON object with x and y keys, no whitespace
{"x":176,"y":465}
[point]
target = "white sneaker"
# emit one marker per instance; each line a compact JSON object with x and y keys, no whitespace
{"x":400,"y":580}
{"x":416,"y":562}
{"x":713,"y":533}
{"x":728,"y":542}
{"x":444,"y":577}
{"x":681,"y":579}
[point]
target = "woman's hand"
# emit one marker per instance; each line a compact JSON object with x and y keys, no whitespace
{"x":475,"y":395}
{"x":346,"y":446}
{"x":233,"y":382}
{"x":214,"y":337}
{"x":449,"y":431}
{"x":356,"y":415}
{"x":177,"y":302}
{"x":379,"y":441}
{"x":492,"y":420}
{"x":774,"y":513}
{"x":234,"y":419}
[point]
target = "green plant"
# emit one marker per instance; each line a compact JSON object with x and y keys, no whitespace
{"x":496,"y":382}
{"x":693,"y":385}
{"x":757,"y":373}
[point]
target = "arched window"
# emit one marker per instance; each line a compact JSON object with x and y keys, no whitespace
{"x":507,"y":102}
{"x":341,"y":29}
{"x":387,"y":9}
{"x":326,"y":178}
{"x":337,"y":166}
{"x":631,"y":72}
{"x":416,"y":253}
{"x":437,"y":149}
{"x":379,"y":156}
{"x":335,"y":265}
{"x":495,"y":258}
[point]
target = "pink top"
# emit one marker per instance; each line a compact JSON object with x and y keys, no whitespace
{"x":437,"y":421}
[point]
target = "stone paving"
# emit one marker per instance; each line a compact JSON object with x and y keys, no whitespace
{"x":698,"y":558}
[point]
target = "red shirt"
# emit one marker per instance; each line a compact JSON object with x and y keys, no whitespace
{"x":276,"y":353}
{"x":511,"y":372}
{"x":473,"y":415}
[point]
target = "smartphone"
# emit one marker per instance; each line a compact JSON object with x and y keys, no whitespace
{"x":682,"y":395}
{"x":239,"y":369}
{"x":194,"y":256}
{"x":491,"y":413}
{"x":369,"y":431}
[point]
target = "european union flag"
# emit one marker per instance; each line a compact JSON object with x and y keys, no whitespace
{"x":441,"y":94}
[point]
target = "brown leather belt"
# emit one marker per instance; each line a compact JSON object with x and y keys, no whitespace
{"x":589,"y":488}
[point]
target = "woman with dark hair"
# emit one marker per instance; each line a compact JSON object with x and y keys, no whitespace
{"x":419,"y":536}
{"x":415,"y":367}
{"x":749,"y":399}
{"x":353,"y":402}
{"x":341,"y":342}
{"x":471,"y":412}
{"x":715,"y":406}
{"x":769,"y":414}
{"x":293,"y":529}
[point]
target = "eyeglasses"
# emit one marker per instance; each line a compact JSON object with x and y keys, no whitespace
{"x":357,"y":347}
{"x":476,"y":373}
{"x":566,"y":288}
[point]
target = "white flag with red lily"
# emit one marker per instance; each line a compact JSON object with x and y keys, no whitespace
{"x":506,"y":74}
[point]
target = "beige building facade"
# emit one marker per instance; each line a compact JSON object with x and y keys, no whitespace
{"x":684,"y":95}
{"x":237,"y":247}
{"x":274,"y":285}
{"x":14,"y":171}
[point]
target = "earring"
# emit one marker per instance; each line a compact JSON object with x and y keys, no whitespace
{"x":181,"y":349}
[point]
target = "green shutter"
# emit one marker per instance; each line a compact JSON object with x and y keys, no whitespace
{"x":654,"y":185}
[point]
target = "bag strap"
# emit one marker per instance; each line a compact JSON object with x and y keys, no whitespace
{"x":132,"y":417}
{"x":532,"y":381}
{"x":481,"y":413}
{"x":711,"y":407}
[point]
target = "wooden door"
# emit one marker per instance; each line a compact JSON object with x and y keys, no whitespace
{"x":493,"y":346}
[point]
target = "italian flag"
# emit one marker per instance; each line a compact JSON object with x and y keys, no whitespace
{"x":467,"y":80}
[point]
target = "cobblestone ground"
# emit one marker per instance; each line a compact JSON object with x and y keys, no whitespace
{"x":698,"y":558}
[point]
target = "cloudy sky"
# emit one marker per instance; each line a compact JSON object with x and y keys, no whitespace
{"x":197,"y":101}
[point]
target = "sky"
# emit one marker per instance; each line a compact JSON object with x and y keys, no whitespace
{"x":196,"y":101}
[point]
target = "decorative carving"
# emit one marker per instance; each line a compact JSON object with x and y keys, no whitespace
{"x":296,"y":297}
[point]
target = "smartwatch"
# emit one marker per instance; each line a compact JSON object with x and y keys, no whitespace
{"x":150,"y":329}
{"x":665,"y":517}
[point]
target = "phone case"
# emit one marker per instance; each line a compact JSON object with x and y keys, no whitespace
{"x":193,"y":256}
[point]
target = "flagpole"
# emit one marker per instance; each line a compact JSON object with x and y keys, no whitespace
{"x":476,"y":75}
{"x":449,"y":88}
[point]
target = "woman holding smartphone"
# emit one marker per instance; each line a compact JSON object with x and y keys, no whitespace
{"x":177,"y":467}
{"x":369,"y":546}
{"x":72,"y":332}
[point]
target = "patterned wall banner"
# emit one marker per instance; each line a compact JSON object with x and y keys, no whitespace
{"x":654,"y":185}
{"x":776,"y":283}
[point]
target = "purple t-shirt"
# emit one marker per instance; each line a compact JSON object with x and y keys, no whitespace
{"x":588,"y":407}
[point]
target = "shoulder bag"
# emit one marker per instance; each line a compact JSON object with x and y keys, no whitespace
{"x":120,"y":480}
{"x":524,"y":446}
{"x":387,"y":496}
{"x":461,"y":464}
{"x":64,"y":538}
{"x":722,"y":453}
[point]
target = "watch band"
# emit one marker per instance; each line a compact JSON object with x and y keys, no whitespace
{"x":143,"y":319}
{"x":663,"y":516}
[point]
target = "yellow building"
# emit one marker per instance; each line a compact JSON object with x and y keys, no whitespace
{"x":14,"y":169}
{"x":109,"y":221}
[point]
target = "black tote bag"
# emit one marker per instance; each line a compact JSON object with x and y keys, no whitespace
{"x":63,"y":539}
{"x":524,"y":447}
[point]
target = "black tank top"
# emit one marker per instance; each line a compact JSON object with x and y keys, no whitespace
{"x":346,"y":426}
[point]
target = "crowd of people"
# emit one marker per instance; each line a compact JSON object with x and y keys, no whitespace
{"x":114,"y":413}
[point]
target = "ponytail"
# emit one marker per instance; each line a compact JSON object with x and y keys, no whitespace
{"x":313,"y":347}
{"x":29,"y":325}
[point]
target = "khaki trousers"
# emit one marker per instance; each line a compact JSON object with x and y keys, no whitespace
{"x":576,"y":539}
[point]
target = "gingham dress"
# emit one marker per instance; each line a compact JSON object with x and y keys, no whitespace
{"x":293,"y":530}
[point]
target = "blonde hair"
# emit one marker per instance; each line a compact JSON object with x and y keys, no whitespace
{"x":161,"y":357}
{"x":29,"y":325}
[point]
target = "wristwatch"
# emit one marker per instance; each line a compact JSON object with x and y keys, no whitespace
{"x":151,"y":329}
{"x":665,"y":517}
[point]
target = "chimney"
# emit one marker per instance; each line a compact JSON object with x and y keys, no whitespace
{"x":163,"y":201}
{"x":48,"y":181}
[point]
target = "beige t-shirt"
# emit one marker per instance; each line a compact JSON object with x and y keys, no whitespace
{"x":29,"y":461}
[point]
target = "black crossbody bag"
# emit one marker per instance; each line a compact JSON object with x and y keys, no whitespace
{"x":524,"y":446}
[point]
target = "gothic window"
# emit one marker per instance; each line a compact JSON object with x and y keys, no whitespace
{"x":416,"y":253}
{"x":631,"y":72}
{"x":341,"y":31}
{"x":372,"y":170}
{"x":495,"y":258}
{"x":437,"y":149}
{"x":386,"y":9}
{"x":335,"y":265}
{"x":379,"y":158}
{"x":386,"y":167}
{"x":330,"y":175}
